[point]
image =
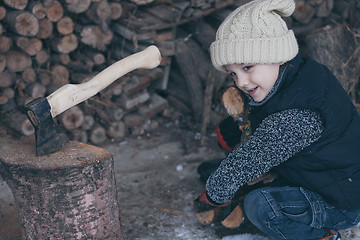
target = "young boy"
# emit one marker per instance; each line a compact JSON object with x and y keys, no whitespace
{"x":304,"y":128}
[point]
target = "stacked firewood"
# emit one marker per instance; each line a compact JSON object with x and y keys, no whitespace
{"x":46,"y":44}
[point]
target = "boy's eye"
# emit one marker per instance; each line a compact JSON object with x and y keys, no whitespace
{"x":247,"y":68}
{"x":232,"y":74}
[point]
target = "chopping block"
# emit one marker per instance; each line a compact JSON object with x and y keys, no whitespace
{"x":70,"y":194}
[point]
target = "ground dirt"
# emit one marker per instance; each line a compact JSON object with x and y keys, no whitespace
{"x":156,"y":177}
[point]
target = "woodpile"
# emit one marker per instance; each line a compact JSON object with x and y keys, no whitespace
{"x":46,"y":44}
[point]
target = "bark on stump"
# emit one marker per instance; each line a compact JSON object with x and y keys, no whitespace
{"x":70,"y":194}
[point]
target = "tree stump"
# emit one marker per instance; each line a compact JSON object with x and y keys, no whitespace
{"x":70,"y":194}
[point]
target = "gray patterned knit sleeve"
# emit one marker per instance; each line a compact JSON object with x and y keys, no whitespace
{"x":279,"y":136}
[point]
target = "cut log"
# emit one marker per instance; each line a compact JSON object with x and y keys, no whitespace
{"x":68,"y":193}
{"x":23,"y":23}
{"x":47,"y":3}
{"x":17,"y":61}
{"x":117,"y":130}
{"x":98,"y":135}
{"x":22,"y":99}
{"x":303,"y":12}
{"x":2,"y":62}
{"x":165,"y":35}
{"x":5,"y":44}
{"x":38,"y":9}
{"x":95,"y":37}
{"x":79,"y":135}
{"x":96,"y":57}
{"x":9,"y":93}
{"x":116,"y":10}
{"x":55,"y":11}
{"x":65,"y":44}
{"x":36,"y":90}
{"x":72,"y":118}
{"x":60,"y":58}
{"x":3,"y":100}
{"x":100,"y":13}
{"x":133,"y":119}
{"x":18,"y":122}
{"x":88,"y":122}
{"x":29,"y":75}
{"x":30,"y":46}
{"x":77,"y":6}
{"x":42,"y":56}
{"x":9,"y":106}
{"x":155,"y":105}
{"x":65,"y":26}
{"x":135,"y":100}
{"x":44,"y":78}
{"x":116,"y":114}
{"x":6,"y":79}
{"x":16,"y":4}
{"x":45,"y":29}
{"x":60,"y":75}
{"x":64,"y":58}
{"x":2,"y":13}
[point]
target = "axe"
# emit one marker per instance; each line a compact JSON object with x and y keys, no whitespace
{"x":48,"y":136}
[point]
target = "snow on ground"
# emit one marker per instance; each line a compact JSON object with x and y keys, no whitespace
{"x":246,"y":237}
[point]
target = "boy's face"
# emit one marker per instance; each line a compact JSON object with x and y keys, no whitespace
{"x":257,"y":80}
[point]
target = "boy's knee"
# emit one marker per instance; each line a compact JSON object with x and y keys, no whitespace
{"x":253,"y":206}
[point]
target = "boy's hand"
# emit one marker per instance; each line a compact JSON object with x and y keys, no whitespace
{"x":203,"y":203}
{"x":229,"y":214}
{"x":228,"y":133}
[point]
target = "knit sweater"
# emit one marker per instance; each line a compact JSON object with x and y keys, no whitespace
{"x":279,"y":137}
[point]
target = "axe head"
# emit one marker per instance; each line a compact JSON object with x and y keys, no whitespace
{"x":48,"y":136}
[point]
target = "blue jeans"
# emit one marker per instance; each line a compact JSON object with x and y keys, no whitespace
{"x":295,"y":213}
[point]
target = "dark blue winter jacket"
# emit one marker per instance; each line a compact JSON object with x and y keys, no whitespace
{"x":331,"y":165}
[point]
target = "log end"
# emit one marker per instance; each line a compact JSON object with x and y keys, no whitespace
{"x":14,"y":152}
{"x":233,"y":102}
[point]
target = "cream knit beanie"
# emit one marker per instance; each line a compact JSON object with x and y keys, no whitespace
{"x":255,"y":33}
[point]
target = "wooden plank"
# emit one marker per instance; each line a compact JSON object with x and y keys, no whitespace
{"x":166,"y":13}
{"x":131,"y":34}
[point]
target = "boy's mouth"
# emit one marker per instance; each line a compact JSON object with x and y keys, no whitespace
{"x":252,"y":91}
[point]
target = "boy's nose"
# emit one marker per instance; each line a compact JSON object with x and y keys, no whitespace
{"x":242,"y":82}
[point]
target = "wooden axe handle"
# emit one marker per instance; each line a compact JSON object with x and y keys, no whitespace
{"x":70,"y":95}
